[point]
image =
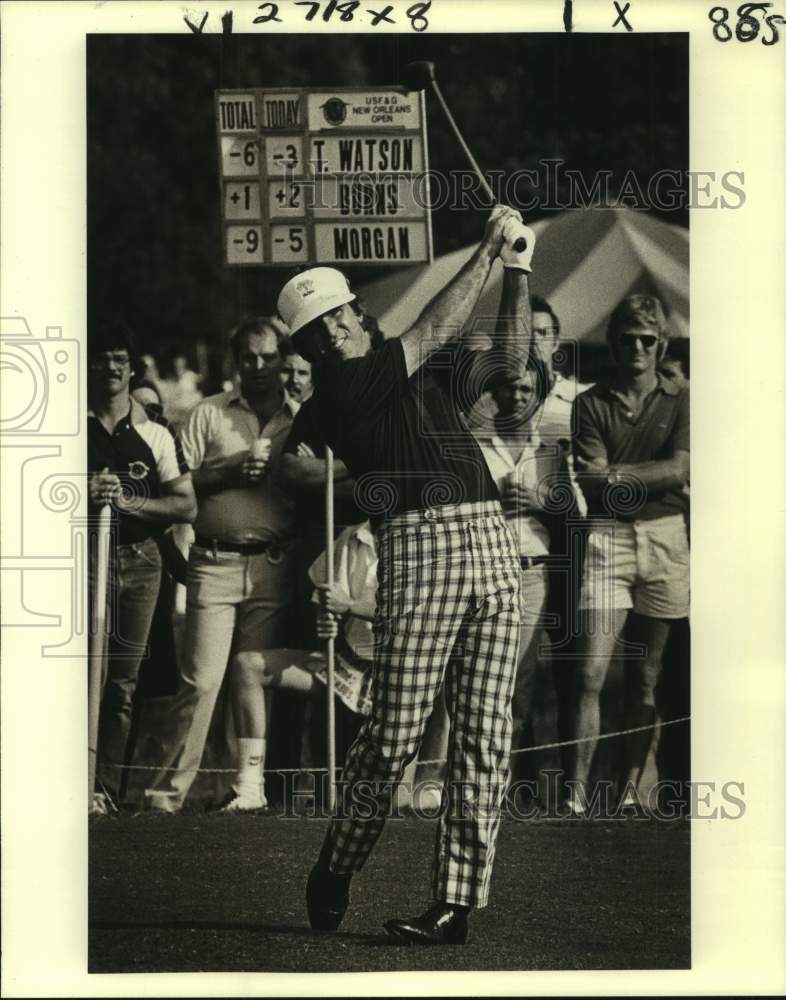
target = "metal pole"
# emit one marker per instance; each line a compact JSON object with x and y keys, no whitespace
{"x":330,"y":653}
{"x":97,"y":642}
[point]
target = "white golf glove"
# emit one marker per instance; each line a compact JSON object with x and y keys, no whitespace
{"x":521,"y":261}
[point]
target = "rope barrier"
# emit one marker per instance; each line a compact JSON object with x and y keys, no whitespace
{"x":437,"y":760}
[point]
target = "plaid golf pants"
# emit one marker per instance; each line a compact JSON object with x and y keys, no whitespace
{"x":447,"y":610}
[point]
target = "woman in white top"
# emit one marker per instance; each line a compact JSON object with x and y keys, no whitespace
{"x":345,"y":614}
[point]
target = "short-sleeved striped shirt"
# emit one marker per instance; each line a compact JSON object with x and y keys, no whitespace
{"x":144,"y":452}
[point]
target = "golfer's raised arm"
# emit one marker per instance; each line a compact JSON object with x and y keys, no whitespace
{"x":513,"y":333}
{"x":447,"y":313}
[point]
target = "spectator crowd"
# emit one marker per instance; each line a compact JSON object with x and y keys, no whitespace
{"x":217,"y":599}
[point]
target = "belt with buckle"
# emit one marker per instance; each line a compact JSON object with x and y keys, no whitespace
{"x":529,"y":562}
{"x":241,"y":548}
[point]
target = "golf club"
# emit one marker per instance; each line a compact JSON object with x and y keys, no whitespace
{"x":417,"y":76}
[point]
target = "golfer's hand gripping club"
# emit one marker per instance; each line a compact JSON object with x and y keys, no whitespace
{"x":519,"y":246}
{"x":504,"y":230}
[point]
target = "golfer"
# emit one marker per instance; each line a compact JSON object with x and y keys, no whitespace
{"x":447,"y":580}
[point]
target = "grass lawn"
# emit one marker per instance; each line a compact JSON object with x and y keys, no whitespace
{"x":218,"y":893}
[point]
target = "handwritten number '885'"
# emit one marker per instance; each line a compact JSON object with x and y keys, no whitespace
{"x":748,"y":24}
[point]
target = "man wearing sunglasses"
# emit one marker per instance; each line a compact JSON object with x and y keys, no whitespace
{"x":631,"y":453}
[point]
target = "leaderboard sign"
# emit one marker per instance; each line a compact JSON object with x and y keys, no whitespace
{"x":329,"y":177}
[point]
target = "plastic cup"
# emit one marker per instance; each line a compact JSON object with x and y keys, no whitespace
{"x":260,"y":449}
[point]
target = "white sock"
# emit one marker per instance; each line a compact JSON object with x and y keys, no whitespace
{"x":250,"y":761}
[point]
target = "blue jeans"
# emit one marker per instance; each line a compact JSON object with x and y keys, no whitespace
{"x":134,"y":581}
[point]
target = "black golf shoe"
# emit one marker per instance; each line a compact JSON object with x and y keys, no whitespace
{"x":327,"y":893}
{"x":442,"y":923}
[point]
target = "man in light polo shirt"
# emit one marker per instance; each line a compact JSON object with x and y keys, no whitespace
{"x":239,"y":572}
{"x":631,"y":453}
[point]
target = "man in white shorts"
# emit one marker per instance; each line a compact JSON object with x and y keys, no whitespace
{"x":631,"y":454}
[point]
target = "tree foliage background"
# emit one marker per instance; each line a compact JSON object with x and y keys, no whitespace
{"x":598,"y":102}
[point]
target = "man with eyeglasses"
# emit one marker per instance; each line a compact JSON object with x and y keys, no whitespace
{"x":632,"y":456}
{"x":135,"y":465}
{"x":554,"y":420}
{"x":555,"y":427}
{"x":239,"y":567}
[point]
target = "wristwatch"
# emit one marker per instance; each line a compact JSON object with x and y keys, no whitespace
{"x":613,"y":478}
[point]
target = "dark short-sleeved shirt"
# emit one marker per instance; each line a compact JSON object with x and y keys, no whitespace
{"x":606,"y":430}
{"x":144,"y":452}
{"x":405,"y":439}
{"x":310,"y":504}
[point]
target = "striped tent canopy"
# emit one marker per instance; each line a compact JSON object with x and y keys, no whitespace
{"x":586,"y":261}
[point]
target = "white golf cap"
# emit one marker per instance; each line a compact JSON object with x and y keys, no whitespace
{"x":310,"y":294}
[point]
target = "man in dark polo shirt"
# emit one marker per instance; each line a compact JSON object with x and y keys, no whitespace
{"x":447,"y":597}
{"x":631,"y":453}
{"x":135,"y":465}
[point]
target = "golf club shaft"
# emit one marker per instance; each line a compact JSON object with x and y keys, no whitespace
{"x":520,"y":244}
{"x":472,"y":161}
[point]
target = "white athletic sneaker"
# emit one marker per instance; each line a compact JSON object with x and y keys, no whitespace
{"x":241,"y":802}
{"x":102,"y":805}
{"x":632,"y":806}
{"x":429,"y":800}
{"x":575,"y":807}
